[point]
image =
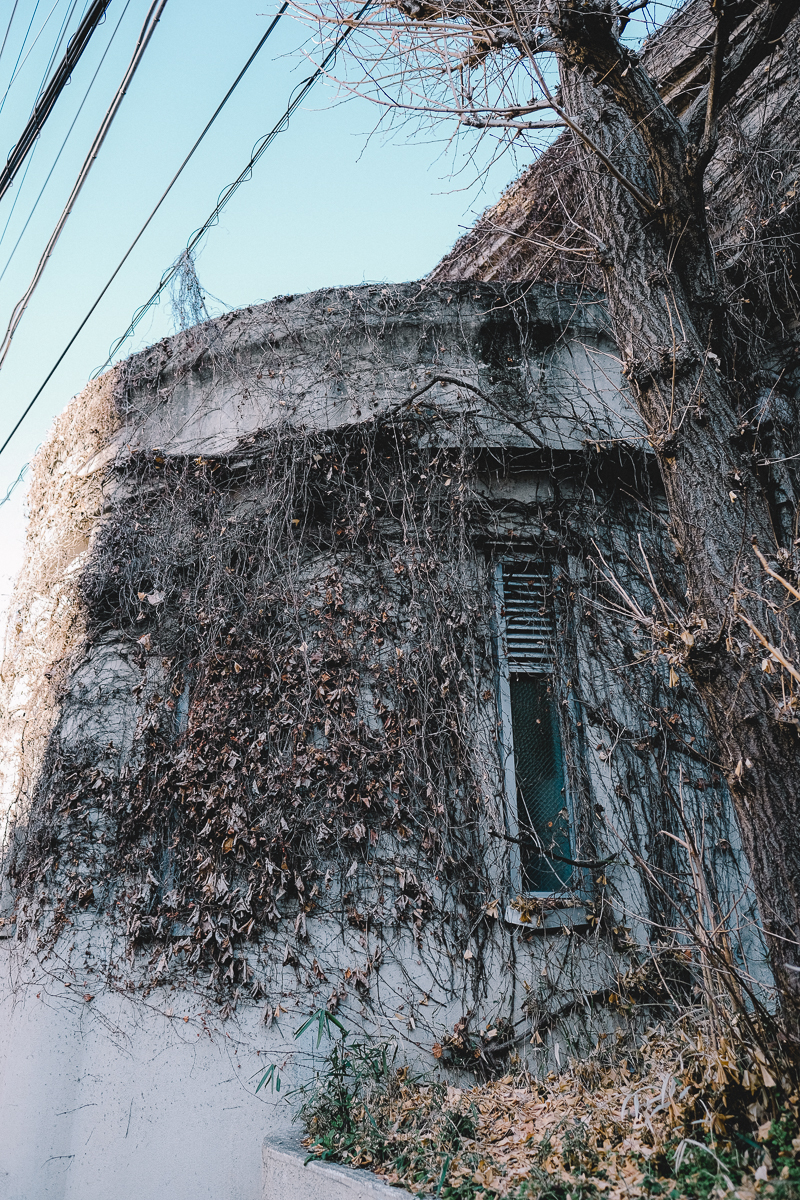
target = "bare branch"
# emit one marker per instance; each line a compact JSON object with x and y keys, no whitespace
{"x":765,"y":28}
{"x":721,"y":39}
{"x":776,"y":654}
{"x":641,"y":198}
{"x":784,"y":582}
{"x":498,"y":408}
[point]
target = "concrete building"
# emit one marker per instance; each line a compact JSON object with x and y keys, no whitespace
{"x":330,"y":684}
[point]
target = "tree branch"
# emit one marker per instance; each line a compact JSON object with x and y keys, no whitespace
{"x":765,"y":28}
{"x":776,"y":654}
{"x":708,"y":144}
{"x":647,"y":203}
{"x":784,"y":582}
{"x":590,"y":863}
{"x":507,"y":416}
{"x":592,"y":49}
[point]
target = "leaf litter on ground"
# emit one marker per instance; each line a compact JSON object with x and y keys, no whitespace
{"x":682,"y":1115}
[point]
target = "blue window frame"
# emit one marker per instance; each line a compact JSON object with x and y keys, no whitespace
{"x":537,"y":802}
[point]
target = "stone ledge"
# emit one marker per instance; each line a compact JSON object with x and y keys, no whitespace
{"x":556,"y":920}
{"x":286,"y":1176}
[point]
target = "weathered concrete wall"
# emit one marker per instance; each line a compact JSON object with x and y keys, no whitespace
{"x":114,"y":1099}
{"x":287,"y":1176}
{"x":346,"y":356}
{"x":268,"y":777}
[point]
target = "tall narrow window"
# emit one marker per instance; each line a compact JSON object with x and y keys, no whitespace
{"x":538,"y":816}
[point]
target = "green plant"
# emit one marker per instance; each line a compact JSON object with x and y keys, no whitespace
{"x":684,"y":1130}
{"x":271,"y":1077}
{"x":337,"y":1112}
{"x":324,"y":1020}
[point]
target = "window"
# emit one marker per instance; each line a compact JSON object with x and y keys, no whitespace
{"x":533,"y":759}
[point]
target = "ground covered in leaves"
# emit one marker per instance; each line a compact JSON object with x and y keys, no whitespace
{"x":678,"y":1116}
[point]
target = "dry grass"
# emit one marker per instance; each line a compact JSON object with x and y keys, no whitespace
{"x":670,"y":1113}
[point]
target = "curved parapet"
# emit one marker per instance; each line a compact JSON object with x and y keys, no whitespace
{"x":347,"y":356}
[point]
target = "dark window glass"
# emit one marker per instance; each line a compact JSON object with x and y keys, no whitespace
{"x":541,"y":796}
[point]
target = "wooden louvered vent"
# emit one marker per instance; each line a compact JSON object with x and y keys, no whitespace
{"x":528,"y":617}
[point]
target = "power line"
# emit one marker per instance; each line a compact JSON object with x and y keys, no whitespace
{"x":60,"y":151}
{"x":151,"y":20}
{"x":12,"y":210}
{"x":40,"y":89}
{"x":17,"y":481}
{"x":56,"y":48}
{"x":75,"y":48}
{"x":141,"y":232}
{"x":8,"y":27}
{"x":232,"y":188}
{"x":17,"y":65}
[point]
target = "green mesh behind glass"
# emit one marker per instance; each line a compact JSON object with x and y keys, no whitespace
{"x":541,"y":798}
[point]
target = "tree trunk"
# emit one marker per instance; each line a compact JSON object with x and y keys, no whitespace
{"x":692,"y":389}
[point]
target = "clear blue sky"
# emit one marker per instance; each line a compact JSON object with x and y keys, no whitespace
{"x":326,"y":205}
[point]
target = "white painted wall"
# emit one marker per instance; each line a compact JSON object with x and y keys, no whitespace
{"x":112,"y":1100}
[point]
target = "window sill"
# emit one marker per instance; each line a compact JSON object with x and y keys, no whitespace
{"x":541,"y":915}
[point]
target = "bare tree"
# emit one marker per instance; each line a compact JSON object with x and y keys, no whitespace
{"x":695,"y":367}
{"x":693,"y":387}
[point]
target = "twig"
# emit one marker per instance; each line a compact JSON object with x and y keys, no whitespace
{"x":784,"y":582}
{"x":721,"y":38}
{"x":571,"y":862}
{"x":650,"y":206}
{"x":795,"y":674}
{"x":523,"y":428}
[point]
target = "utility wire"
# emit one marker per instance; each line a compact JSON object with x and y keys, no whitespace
{"x":57,"y":47}
{"x":8,"y":27}
{"x":75,"y":48}
{"x":17,"y":65}
{"x":232,"y":188}
{"x":152,"y":19}
{"x":40,"y":89}
{"x":13,"y":486}
{"x":141,"y":232}
{"x":13,"y":208}
{"x":60,"y":151}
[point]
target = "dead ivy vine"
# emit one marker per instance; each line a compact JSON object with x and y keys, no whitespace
{"x":303,"y":632}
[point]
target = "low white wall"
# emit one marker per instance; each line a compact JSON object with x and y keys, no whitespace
{"x":110,"y":1099}
{"x":287,"y":1176}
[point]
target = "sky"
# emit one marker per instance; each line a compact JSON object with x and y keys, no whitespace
{"x":331,"y":203}
{"x":327,"y":205}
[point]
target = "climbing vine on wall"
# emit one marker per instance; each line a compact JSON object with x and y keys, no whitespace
{"x":296,"y":643}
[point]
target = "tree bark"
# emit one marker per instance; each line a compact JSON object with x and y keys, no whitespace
{"x":693,"y":390}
